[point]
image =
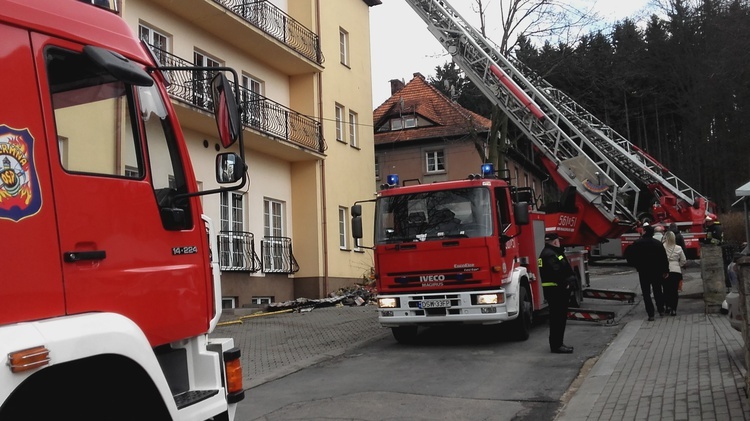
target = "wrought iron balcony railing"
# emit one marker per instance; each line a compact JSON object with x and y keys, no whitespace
{"x":237,"y":252}
{"x":258,"y":112}
{"x":277,"y":257}
{"x":274,"y":22}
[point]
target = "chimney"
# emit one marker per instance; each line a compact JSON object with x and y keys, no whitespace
{"x":396,"y":85}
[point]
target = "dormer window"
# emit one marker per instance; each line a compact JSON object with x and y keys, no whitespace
{"x":401,"y":123}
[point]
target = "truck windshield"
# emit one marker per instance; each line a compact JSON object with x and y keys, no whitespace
{"x":434,"y":215}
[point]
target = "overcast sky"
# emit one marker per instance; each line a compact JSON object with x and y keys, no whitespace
{"x":401,"y":44}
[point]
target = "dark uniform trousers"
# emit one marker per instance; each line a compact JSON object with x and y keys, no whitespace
{"x":557,"y":298}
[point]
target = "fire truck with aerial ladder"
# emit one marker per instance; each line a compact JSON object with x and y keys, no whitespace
{"x":463,"y":251}
{"x":109,"y":287}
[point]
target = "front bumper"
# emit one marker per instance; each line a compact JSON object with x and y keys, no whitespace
{"x":463,"y":309}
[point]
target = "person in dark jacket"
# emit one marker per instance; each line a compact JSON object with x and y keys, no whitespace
{"x":649,"y":258}
{"x":557,"y":277}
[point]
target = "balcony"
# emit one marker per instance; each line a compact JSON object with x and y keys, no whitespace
{"x":274,"y":22}
{"x":256,"y":27}
{"x":276,"y":255}
{"x":237,"y":252}
{"x":258,"y":112}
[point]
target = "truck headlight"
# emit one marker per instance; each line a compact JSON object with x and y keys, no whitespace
{"x":387,"y":302}
{"x":491,"y":299}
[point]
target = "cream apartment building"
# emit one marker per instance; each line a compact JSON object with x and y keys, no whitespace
{"x":305,"y":82}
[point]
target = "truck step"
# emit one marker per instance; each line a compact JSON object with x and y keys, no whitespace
{"x":191,"y":397}
{"x":604,"y":294}
{"x":591,"y":315}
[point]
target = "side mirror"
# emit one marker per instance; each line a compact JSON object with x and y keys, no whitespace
{"x":226,"y":111}
{"x":356,"y":221}
{"x":229,"y":168}
{"x":521,"y":213}
{"x":356,"y":210}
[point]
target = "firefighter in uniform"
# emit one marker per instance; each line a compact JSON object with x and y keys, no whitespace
{"x":557,"y":276}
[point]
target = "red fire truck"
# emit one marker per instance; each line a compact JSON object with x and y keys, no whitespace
{"x":458,"y":252}
{"x":108,"y":290}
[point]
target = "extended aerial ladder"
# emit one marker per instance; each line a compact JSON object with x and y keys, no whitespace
{"x":578,"y":149}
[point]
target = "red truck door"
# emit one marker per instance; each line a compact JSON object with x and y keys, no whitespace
{"x":31,"y":281}
{"x":115,"y":164}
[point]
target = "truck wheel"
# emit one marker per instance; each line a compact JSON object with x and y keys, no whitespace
{"x":576,"y":295}
{"x":521,"y":327}
{"x":405,"y":334}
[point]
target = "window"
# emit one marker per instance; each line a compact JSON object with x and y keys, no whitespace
{"x":377,"y":167}
{"x":262,"y":300}
{"x":339,"y":123}
{"x":353,"y":140}
{"x":252,"y":101}
{"x":397,"y":124}
{"x":156,"y":39}
{"x":344,"y":47}
{"x":202,"y":80}
{"x":228,"y":302}
{"x":526,"y":179}
{"x":274,"y":248}
{"x":435,"y":161}
{"x":83,"y":91}
{"x":232,"y":210}
{"x":342,"y":228}
{"x":410,"y":122}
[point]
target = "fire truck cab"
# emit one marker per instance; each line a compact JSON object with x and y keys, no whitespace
{"x":108,"y":290}
{"x":456,"y":252}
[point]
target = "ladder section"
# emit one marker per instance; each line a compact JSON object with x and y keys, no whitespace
{"x":635,"y":161}
{"x":600,"y":181}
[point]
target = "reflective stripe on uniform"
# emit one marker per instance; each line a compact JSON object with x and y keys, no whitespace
{"x":549,"y":284}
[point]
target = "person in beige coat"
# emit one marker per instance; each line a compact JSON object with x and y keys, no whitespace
{"x":677,"y":260}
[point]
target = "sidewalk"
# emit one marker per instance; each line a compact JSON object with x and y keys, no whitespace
{"x":685,"y":367}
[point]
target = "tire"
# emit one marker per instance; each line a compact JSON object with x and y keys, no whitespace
{"x":521,"y":327}
{"x":576,"y":295}
{"x":405,"y":334}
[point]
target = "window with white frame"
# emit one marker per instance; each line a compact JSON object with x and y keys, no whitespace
{"x":342,"y":228}
{"x":158,"y":40}
{"x":228,"y":302}
{"x":340,"y":123}
{"x":410,"y":122}
{"x":232,"y":211}
{"x":273,"y":226}
{"x":202,"y":80}
{"x":353,"y":139}
{"x":435,"y":161}
{"x":261,"y":300}
{"x":344,"y":47}
{"x":251,"y":100}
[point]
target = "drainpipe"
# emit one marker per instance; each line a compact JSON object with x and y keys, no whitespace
{"x":324,"y":222}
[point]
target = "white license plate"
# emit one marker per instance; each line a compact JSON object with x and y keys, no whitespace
{"x":435,"y":304}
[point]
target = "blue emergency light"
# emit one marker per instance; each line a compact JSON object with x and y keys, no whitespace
{"x":488,"y":170}
{"x":392,"y":180}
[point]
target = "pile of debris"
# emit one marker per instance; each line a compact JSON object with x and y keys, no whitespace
{"x":355,"y":295}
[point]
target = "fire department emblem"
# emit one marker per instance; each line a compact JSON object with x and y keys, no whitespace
{"x":19,"y":187}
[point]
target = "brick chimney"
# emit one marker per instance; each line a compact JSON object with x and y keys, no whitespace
{"x":396,"y":85}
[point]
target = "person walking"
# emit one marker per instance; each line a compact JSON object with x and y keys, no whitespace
{"x":677,"y":260}
{"x":649,"y":258}
{"x":679,"y":239}
{"x":557,"y":275}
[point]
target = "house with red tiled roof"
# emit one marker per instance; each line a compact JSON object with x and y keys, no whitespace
{"x":420,"y":134}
